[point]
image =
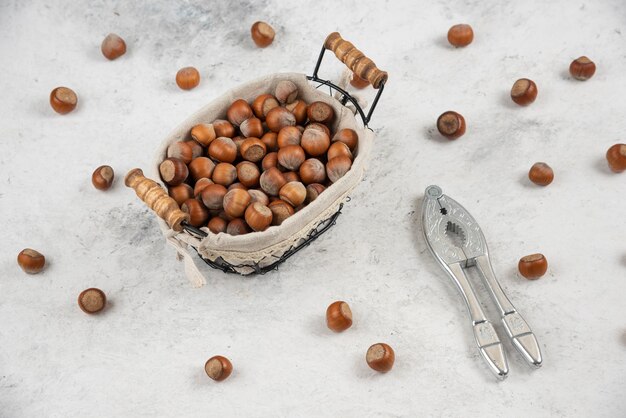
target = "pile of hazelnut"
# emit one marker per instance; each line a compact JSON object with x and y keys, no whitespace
{"x":260,"y":165}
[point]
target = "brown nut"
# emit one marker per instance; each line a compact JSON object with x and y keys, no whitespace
{"x":313,"y":191}
{"x":258,"y":196}
{"x":238,"y":112}
{"x":281,"y":210}
{"x":380,"y":357}
{"x":541,"y":174}
{"x":298,"y":108}
{"x":258,"y":216}
{"x":237,"y":186}
{"x":337,"y":168}
{"x":235,"y":202}
{"x":347,"y":136}
{"x":217,"y":225}
{"x":237,"y":226}
{"x":223,"y":149}
{"x":358,"y":82}
{"x":291,"y":176}
{"x":262,"y":34}
{"x":272,"y":180}
{"x":203,"y":133}
{"x":582,"y":68}
{"x":319,"y":126}
{"x":113,"y":46}
{"x":187,"y":78}
{"x":278,"y":118}
{"x":213,"y":196}
{"x":173,"y":171}
{"x":289,"y":135}
{"x":616,"y":157}
{"x":251,"y":128}
{"x":263,"y":104}
{"x":63,"y":100}
{"x":293,"y":193}
{"x":92,"y":300}
{"x":286,"y":92}
{"x":533,"y":266}
{"x":253,"y":149}
{"x":315,"y":142}
{"x":201,"y":167}
{"x":248,"y":174}
{"x":313,"y":171}
{"x":31,"y":261}
{"x":102,"y":177}
{"x":270,"y":139}
{"x":338,"y":149}
{"x":224,"y":174}
{"x":269,"y":161}
{"x":198,"y":213}
{"x":321,"y":112}
{"x":223,"y":128}
{"x":181,"y":150}
{"x":291,"y":157}
{"x":196,"y":149}
{"x":181,"y":193}
{"x":218,"y":368}
{"x":451,"y":124}
{"x":199,"y":186}
{"x":524,"y":92}
{"x":460,"y":35}
{"x":338,"y":316}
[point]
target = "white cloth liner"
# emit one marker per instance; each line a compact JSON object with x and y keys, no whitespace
{"x":266,"y":246}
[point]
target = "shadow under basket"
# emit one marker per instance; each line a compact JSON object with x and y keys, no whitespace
{"x":260,"y":252}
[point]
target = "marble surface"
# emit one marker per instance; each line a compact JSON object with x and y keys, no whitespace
{"x":144,"y":355}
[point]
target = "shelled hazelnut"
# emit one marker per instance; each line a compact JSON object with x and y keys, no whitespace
{"x":63,"y":100}
{"x":198,"y":213}
{"x":113,"y":46}
{"x":31,"y":261}
{"x":102,"y":177}
{"x":187,"y":78}
{"x":262,"y":34}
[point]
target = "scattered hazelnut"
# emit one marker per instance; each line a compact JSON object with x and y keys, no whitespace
{"x":533,"y":266}
{"x":321,"y":112}
{"x":31,"y":261}
{"x":380,"y":357}
{"x":451,"y":124}
{"x":337,"y":168}
{"x":616,"y":157}
{"x":187,"y":78}
{"x":201,"y":167}
{"x":218,"y":368}
{"x":262,"y":34}
{"x":63,"y":100}
{"x":224,"y":174}
{"x":173,"y":171}
{"x":102,"y":177}
{"x":203,"y":133}
{"x":181,"y":193}
{"x":113,"y":46}
{"x":524,"y":92}
{"x":281,"y":210}
{"x":198,"y":213}
{"x":286,"y":91}
{"x":460,"y":35}
{"x":92,"y":300}
{"x":338,"y":316}
{"x":291,"y":157}
{"x":541,"y":174}
{"x":582,"y":68}
{"x":347,"y":136}
{"x":258,"y":216}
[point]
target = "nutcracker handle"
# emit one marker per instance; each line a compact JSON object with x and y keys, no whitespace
{"x":156,"y":198}
{"x":355,"y":60}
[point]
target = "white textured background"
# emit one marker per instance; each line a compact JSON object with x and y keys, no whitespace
{"x":144,"y":355}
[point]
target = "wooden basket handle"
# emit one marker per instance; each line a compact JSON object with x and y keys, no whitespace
{"x":355,"y":60}
{"x":156,"y":199}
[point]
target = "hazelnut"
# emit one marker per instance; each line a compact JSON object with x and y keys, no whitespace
{"x":181,"y":150}
{"x":223,"y":128}
{"x":298,"y":108}
{"x":380,"y":357}
{"x":238,"y":112}
{"x":263,"y":104}
{"x":248,"y":174}
{"x":223,"y":149}
{"x":321,"y":112}
{"x":451,"y":124}
{"x":224,"y":174}
{"x":113,"y":46}
{"x":358,"y":82}
{"x":258,"y":216}
{"x":338,"y":149}
{"x":270,"y":139}
{"x":237,"y":186}
{"x":102,"y":177}
{"x":262,"y":34}
{"x":217,"y":225}
{"x":253,"y":149}
{"x":347,"y":136}
{"x":173,"y":171}
{"x":235,"y":202}
{"x":291,"y":157}
{"x":92,"y":300}
{"x":582,"y":68}
{"x":337,"y":168}
{"x":524,"y":92}
{"x":199,"y":186}
{"x":213,"y":196}
{"x":293,"y":193}
{"x":616,"y":157}
{"x":269,"y":161}
{"x":196,"y":149}
{"x":251,"y":128}
{"x":281,"y":210}
{"x":203,"y":133}
{"x":272,"y":180}
{"x":201,"y":167}
{"x":313,"y":191}
{"x":258,"y":196}
{"x":319,"y":126}
{"x":187,"y":78}
{"x":198,"y":213}
{"x":286,"y":92}
{"x":315,"y":142}
{"x":338,"y":316}
{"x":289,"y":135}
{"x":460,"y":35}
{"x":291,"y":176}
{"x":541,"y":174}
{"x":31,"y":261}
{"x":237,"y":226}
{"x":63,"y":100}
{"x":238,"y":140}
{"x":278,"y":118}
{"x":218,"y":368}
{"x":181,"y":193}
{"x":313,"y":171}
{"x":533,"y":266}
